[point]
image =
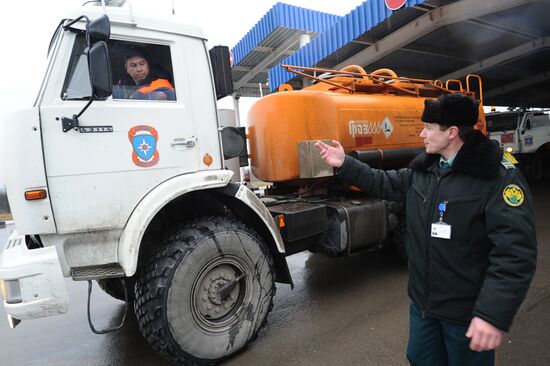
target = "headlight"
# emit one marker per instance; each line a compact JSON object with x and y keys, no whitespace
{"x":11,"y":291}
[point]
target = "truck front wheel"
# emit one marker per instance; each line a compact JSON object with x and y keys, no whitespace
{"x":206,"y":292}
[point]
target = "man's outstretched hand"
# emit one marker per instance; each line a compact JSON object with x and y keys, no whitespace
{"x":332,"y":155}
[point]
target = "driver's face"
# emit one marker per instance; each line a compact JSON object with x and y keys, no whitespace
{"x":137,"y":67}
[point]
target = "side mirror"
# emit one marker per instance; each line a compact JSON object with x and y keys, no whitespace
{"x":100,"y":70}
{"x":221,"y":65}
{"x":99,"y":29}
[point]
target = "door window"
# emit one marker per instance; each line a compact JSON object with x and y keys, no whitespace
{"x":140,"y":71}
{"x":77,"y":83}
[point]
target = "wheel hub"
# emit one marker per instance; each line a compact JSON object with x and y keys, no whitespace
{"x":211,"y":305}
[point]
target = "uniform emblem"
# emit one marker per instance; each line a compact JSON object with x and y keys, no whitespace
{"x":513,"y":195}
{"x":144,"y":142}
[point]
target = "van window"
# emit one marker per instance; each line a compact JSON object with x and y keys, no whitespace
{"x":501,"y":122}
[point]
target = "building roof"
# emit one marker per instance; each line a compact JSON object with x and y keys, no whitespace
{"x":504,"y":41}
{"x":276,"y":35}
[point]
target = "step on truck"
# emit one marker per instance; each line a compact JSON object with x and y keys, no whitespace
{"x":143,"y":195}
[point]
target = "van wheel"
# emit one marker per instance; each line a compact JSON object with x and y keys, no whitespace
{"x":206,"y":292}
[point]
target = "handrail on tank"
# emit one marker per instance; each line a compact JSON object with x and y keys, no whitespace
{"x":480,"y":85}
{"x":376,"y":77}
{"x":454,"y":81}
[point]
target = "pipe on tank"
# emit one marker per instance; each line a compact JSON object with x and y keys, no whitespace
{"x":378,"y":155}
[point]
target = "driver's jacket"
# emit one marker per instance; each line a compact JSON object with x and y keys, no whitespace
{"x":486,"y":266}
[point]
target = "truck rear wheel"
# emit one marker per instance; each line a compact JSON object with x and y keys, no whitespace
{"x":206,"y":292}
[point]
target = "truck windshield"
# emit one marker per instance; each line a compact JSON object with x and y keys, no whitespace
{"x":501,"y":122}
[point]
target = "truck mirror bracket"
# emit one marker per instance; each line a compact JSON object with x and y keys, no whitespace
{"x":69,"y":123}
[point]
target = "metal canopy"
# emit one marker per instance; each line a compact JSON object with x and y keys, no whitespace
{"x":277,"y":35}
{"x":504,"y":41}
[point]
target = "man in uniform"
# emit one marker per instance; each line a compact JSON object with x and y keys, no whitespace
{"x":471,"y":239}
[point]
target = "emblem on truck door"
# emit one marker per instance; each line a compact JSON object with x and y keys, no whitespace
{"x":144,"y":142}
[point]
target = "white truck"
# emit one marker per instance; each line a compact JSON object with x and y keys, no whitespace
{"x":111,"y":189}
{"x":526,"y":134}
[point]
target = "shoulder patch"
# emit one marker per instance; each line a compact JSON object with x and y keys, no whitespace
{"x":513,"y":195}
{"x":508,"y":161}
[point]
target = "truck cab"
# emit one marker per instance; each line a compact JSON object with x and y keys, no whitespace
{"x":119,"y":169}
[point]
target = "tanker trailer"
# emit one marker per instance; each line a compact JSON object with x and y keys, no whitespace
{"x":376,"y":118}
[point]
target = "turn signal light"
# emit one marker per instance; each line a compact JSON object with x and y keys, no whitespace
{"x":36,"y":194}
{"x":281,"y":221}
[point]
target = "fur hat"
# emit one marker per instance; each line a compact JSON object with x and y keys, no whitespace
{"x":451,"y":110}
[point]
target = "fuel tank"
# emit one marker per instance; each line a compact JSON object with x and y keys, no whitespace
{"x":365,"y":115}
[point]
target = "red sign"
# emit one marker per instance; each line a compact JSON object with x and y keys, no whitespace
{"x":507,"y":138}
{"x":394,"y":4}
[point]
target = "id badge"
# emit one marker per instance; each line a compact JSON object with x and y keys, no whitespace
{"x":441,"y":230}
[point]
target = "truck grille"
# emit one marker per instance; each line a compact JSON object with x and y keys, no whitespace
{"x":12,"y":243}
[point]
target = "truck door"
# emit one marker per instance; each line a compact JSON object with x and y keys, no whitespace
{"x":125,"y":146}
{"x":525,"y":134}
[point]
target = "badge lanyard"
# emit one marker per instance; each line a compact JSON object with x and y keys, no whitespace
{"x":442,"y":208}
{"x":441,"y":229}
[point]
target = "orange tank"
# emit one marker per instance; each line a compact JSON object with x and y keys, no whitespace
{"x":362,"y":111}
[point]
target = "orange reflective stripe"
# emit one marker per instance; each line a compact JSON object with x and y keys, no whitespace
{"x":156,"y":84}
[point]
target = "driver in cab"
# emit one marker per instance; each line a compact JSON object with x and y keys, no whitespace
{"x":146,"y":81}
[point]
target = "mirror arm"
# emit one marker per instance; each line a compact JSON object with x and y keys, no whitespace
{"x":68,"y":25}
{"x":72,"y":123}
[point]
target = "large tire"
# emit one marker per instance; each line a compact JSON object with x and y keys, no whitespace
{"x":115,"y":287}
{"x":178,"y":305}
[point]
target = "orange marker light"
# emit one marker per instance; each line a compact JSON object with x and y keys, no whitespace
{"x":281,"y":221}
{"x":207,"y":160}
{"x":35,"y":194}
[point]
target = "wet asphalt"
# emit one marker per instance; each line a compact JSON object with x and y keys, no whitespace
{"x":349,"y":311}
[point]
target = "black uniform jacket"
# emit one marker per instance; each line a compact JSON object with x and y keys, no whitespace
{"x":485,"y":268}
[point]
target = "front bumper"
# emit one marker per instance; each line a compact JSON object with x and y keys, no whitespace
{"x":31,"y":281}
